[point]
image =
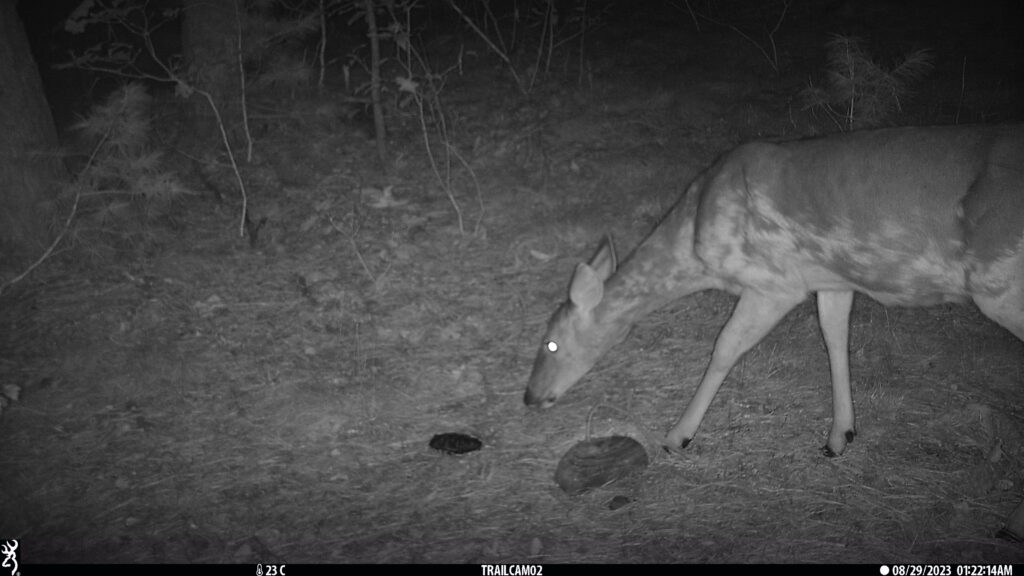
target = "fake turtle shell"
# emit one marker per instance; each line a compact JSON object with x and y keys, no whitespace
{"x":599,"y":461}
{"x":455,"y":443}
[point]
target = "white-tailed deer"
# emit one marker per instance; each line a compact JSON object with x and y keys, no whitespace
{"x":910,"y":217}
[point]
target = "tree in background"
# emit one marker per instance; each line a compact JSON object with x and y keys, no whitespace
{"x":30,"y":171}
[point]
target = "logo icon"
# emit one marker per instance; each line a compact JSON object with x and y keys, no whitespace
{"x":9,"y":549}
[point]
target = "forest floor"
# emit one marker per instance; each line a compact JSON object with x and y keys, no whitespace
{"x":206,"y":400}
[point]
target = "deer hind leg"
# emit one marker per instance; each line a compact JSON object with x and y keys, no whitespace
{"x":834,"y":317}
{"x":754,"y":316}
{"x":1007,"y":309}
{"x":1014,"y":528}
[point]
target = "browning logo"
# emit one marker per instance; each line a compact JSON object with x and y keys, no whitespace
{"x":9,"y":550}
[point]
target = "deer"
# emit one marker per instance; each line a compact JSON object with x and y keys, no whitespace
{"x":913,"y":216}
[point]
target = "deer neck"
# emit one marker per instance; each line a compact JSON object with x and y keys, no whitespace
{"x":662,"y":269}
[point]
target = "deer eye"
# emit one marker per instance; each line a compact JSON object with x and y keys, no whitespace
{"x":551,"y":346}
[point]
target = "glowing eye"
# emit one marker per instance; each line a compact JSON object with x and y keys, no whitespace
{"x":551,"y":346}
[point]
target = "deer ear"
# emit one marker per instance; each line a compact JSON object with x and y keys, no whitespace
{"x":586,"y":288}
{"x":604,"y":262}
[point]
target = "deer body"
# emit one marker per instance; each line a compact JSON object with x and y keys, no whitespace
{"x":908,"y":216}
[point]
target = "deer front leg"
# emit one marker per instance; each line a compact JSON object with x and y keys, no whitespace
{"x":754,"y":316}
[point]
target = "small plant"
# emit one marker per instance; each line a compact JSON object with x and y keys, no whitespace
{"x":859,"y":92}
{"x":421,"y":87}
{"x":128,"y":50}
{"x":556,"y":29}
{"x":123,"y":186}
{"x":417,"y":87}
{"x":768,"y":49}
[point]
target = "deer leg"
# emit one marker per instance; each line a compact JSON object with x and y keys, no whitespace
{"x":755,"y":315}
{"x":1014,"y":528}
{"x":834,"y":317}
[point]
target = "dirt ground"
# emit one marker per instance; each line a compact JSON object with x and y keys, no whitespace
{"x":203,"y":400}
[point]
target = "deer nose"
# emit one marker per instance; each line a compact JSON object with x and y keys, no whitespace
{"x":531,"y":399}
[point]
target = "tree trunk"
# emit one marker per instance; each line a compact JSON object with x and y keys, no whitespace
{"x":378,"y":109}
{"x":30,"y":170}
{"x":210,"y":45}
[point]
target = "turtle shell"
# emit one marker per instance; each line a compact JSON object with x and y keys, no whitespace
{"x":599,"y":461}
{"x":455,"y":443}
